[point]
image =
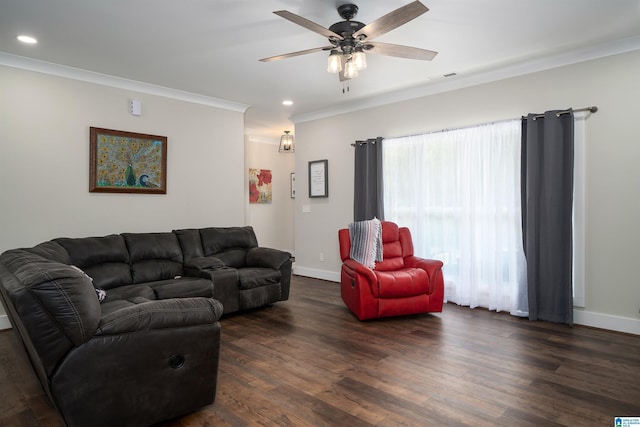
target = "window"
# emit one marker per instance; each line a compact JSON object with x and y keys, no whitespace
{"x":458,"y":191}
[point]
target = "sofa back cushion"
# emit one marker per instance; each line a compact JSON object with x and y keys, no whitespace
{"x":51,"y":251}
{"x":104,"y":259}
{"x":190,"y":243}
{"x":230,"y":244}
{"x":154,"y":256}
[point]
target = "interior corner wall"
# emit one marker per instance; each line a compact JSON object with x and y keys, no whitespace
{"x":272,"y":222}
{"x":44,"y":161}
{"x":612,"y":174}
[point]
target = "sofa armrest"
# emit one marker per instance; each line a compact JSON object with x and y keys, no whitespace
{"x":161,"y":314}
{"x":267,"y":257}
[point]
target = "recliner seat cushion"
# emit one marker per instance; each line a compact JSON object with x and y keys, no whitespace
{"x":251,"y":278}
{"x":406,"y":282}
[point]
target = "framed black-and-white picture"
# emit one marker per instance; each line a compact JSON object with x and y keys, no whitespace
{"x":318,"y":178}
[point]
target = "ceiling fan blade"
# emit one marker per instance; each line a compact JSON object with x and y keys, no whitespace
{"x":392,"y":20}
{"x":292,"y":54}
{"x":309,"y":25}
{"x":400,"y":51}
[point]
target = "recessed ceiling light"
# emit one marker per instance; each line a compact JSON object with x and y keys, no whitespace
{"x":27,"y":39}
{"x":287,"y":102}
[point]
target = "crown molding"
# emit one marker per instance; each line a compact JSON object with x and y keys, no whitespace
{"x":460,"y":82}
{"x":44,"y":67}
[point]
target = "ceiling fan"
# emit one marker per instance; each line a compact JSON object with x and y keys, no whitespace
{"x":350,"y":39}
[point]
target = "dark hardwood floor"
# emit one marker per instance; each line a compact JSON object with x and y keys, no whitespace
{"x":309,"y":362}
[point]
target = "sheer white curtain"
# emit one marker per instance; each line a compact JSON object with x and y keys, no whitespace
{"x":458,"y":191}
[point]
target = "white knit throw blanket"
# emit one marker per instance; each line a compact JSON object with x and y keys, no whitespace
{"x":366,"y":242}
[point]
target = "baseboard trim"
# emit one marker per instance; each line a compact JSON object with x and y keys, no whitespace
{"x":606,"y":321}
{"x":4,"y":322}
{"x":332,"y":276}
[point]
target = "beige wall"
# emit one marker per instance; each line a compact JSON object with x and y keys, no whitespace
{"x":44,"y":161}
{"x":612,"y":172}
{"x":273,"y":223}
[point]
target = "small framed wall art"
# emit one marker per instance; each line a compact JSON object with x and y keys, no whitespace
{"x":127,"y":162}
{"x":318,"y":178}
{"x":260,"y":186}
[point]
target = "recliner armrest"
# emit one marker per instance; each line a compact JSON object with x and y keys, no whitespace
{"x":267,"y":257}
{"x":203,"y":263}
{"x":431,"y":266}
{"x":161,"y":314}
{"x":361,"y":269}
{"x":425,"y":264}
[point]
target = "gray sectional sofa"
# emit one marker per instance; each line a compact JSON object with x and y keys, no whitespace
{"x":123,"y":329}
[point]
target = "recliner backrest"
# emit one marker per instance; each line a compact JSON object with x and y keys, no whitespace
{"x":190,"y":243}
{"x":104,"y":259}
{"x":153,"y":256}
{"x":55,"y":304}
{"x":397,"y":244}
{"x":392,"y":255}
{"x":230,"y":244}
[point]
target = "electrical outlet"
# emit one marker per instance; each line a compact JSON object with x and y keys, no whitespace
{"x":321,"y":256}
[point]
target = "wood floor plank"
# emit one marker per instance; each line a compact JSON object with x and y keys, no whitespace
{"x":308,"y":361}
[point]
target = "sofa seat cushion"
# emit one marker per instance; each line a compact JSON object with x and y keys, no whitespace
{"x":257,"y":276}
{"x":184,"y":287}
{"x":406,"y":282}
{"x":128,"y":292}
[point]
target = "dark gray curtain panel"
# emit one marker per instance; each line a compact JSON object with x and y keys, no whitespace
{"x":547,"y":210}
{"x":367,"y":192}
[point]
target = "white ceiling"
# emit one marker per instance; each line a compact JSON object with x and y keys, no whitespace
{"x":212,"y":47}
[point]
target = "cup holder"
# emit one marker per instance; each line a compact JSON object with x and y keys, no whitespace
{"x":176,"y":361}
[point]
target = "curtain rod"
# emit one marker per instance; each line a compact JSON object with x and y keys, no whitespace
{"x":593,"y":109}
{"x":577,"y":110}
{"x":367,"y":141}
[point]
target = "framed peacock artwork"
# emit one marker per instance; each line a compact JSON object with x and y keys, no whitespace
{"x":127,"y":162}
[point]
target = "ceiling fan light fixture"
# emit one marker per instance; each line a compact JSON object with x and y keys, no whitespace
{"x":359,"y":59}
{"x":334,"y":63}
{"x":351,"y":39}
{"x":350,"y":69}
{"x":287,"y":143}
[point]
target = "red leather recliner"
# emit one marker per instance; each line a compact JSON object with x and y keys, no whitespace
{"x":400,"y":284}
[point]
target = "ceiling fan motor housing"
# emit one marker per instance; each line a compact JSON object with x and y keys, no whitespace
{"x":348,"y":11}
{"x":346,"y":28}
